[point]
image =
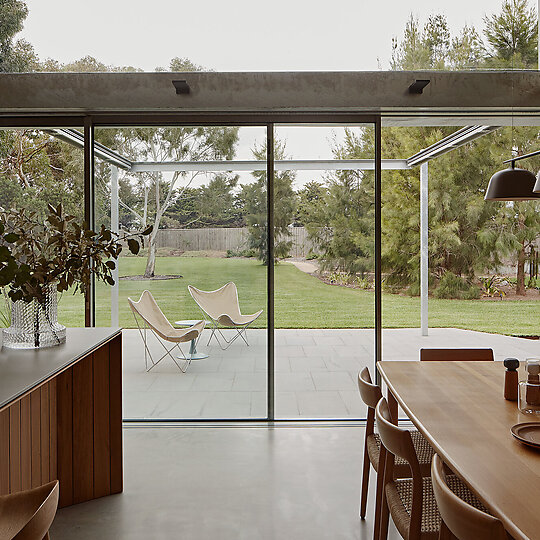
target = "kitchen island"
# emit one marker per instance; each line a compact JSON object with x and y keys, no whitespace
{"x":61,"y":416}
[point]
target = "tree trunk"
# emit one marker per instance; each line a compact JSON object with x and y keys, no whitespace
{"x":151,"y":261}
{"x":520,"y":286}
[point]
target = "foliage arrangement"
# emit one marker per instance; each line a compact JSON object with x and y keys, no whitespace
{"x":35,"y":254}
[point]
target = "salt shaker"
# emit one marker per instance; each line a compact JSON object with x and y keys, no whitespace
{"x":511,"y":379}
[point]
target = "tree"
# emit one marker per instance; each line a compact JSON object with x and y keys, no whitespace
{"x":254,"y":197}
{"x":512,"y":36}
{"x":163,"y":144}
{"x":14,"y":55}
{"x":341,"y":221}
{"x":433,"y":47}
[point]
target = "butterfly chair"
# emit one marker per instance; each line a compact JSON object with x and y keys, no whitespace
{"x":28,"y":515}
{"x":148,"y":310}
{"x":222,"y":308}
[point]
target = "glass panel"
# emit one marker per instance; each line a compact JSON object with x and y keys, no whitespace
{"x":324,"y":278}
{"x":482,"y":255}
{"x":38,"y":167}
{"x":202,"y":215}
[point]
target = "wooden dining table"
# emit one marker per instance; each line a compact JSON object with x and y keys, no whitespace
{"x":459,"y":407}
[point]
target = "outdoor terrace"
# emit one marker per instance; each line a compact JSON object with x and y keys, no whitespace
{"x":315,"y":375}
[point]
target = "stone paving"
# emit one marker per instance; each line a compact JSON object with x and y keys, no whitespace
{"x":315,"y":372}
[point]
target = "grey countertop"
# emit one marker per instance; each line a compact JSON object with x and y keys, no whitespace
{"x":23,"y":370}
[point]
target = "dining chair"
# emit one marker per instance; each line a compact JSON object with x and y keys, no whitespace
{"x":464,"y":355}
{"x":460,"y":519}
{"x":410,"y":501}
{"x":371,"y":395}
{"x":28,"y":515}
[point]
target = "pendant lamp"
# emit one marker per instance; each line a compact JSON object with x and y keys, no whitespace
{"x":514,"y":184}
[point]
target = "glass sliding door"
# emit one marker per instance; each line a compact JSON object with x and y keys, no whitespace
{"x":324,"y":235}
{"x":209,"y":219}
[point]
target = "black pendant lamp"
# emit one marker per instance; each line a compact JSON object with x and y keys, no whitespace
{"x":514,"y":184}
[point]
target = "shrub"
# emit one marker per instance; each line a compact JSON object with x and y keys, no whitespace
{"x":241,"y":253}
{"x":452,"y":286}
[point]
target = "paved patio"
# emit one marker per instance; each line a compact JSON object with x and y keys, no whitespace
{"x":315,"y":372}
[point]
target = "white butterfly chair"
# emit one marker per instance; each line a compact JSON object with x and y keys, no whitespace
{"x":222,"y":308}
{"x":148,"y":310}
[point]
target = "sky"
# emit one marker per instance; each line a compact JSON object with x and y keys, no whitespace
{"x":236,"y":35}
{"x":240,"y":35}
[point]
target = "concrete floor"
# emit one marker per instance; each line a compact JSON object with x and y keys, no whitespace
{"x":231,"y":483}
{"x":315,"y":375}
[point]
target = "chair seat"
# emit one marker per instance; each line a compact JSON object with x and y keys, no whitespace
{"x":399,"y":497}
{"x":401,"y":467}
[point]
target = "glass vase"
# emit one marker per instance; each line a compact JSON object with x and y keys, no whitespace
{"x":35,"y":325}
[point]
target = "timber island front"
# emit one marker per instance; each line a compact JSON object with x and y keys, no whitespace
{"x":61,"y":416}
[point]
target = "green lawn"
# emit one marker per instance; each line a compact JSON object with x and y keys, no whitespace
{"x":301,"y":301}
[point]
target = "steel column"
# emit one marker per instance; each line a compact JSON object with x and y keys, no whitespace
{"x":90,"y":296}
{"x":115,"y":228}
{"x":424,"y":275}
{"x":270,"y":271}
{"x":378,"y":244}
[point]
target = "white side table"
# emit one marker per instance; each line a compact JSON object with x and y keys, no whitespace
{"x":193,"y":354}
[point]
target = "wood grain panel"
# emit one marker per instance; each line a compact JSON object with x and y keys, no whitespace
{"x":4,"y":452}
{"x":115,"y":396}
{"x":35,"y":426}
{"x":53,"y":422}
{"x":83,"y":433}
{"x":102,"y":446}
{"x":44,"y":435}
{"x":26,"y":444}
{"x":64,"y":413}
{"x":15,"y":447}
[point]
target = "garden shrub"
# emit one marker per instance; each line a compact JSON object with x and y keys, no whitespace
{"x":452,"y":286}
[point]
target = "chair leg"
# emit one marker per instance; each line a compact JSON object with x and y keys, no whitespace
{"x":385,"y":516}
{"x":379,"y":493}
{"x":365,"y":482}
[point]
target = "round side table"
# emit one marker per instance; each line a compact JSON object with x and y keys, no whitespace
{"x":193,"y":354}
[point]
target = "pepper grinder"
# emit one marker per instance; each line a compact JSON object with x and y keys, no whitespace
{"x":511,"y":379}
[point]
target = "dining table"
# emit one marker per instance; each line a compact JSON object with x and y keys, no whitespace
{"x":460,"y":409}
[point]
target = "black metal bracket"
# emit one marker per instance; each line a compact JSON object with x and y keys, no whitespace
{"x":417,"y":87}
{"x":182,"y":87}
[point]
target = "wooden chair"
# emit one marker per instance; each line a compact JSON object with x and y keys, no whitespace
{"x":459,"y":518}
{"x":464,"y":355}
{"x":410,"y":501}
{"x":371,"y":395}
{"x":28,"y":515}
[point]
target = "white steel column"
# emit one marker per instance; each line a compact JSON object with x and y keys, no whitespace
{"x":424,"y":248}
{"x":115,"y":228}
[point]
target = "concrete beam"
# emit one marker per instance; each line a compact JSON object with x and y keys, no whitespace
{"x":269,"y":93}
